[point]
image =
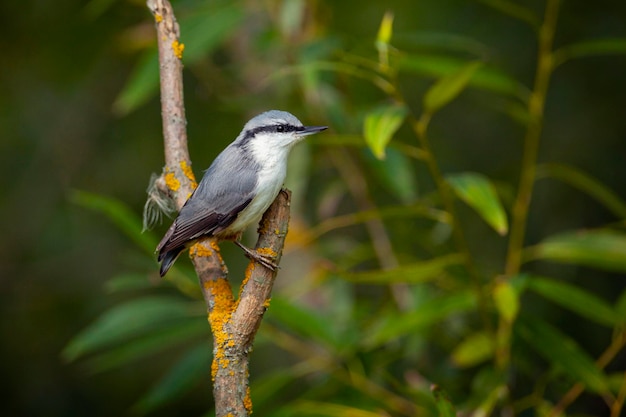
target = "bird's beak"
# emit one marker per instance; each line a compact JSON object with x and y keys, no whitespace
{"x":310,"y":130}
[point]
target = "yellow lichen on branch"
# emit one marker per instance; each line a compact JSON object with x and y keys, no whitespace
{"x":186,"y":168}
{"x":219,"y":317}
{"x":178,"y":48}
{"x":199,"y":250}
{"x":267,"y":252}
{"x":247,"y":401}
{"x":171,"y":181}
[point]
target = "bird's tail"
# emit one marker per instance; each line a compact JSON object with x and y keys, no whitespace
{"x":168,"y":258}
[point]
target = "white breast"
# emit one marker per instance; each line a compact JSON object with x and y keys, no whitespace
{"x":270,"y":180}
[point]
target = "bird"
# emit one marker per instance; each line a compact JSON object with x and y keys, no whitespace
{"x":238,"y":187}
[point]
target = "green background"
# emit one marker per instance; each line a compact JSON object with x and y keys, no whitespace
{"x":76,"y":113}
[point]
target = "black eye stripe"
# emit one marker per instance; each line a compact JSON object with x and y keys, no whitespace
{"x":280,"y":128}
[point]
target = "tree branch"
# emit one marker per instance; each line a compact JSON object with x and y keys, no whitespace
{"x":234,"y":323}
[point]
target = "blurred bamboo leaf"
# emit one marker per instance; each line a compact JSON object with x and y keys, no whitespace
{"x":562,"y":352}
{"x":449,"y":87}
{"x":485,"y":77}
{"x":474,"y":349}
{"x":336,"y":67}
{"x":444,"y":405}
{"x":432,"y":311}
{"x":265,"y":388}
{"x":586,"y":183}
{"x":127,"y":321}
{"x":506,"y":300}
{"x":607,"y":46}
{"x":396,"y":173}
{"x":514,"y":10}
{"x":201,"y":31}
{"x":380,"y":126}
{"x":575,"y":299}
{"x":128,"y":282}
{"x":302,"y":321}
{"x":127,"y":221}
{"x":491,"y":400}
{"x":478,"y":192}
{"x":142,"y":84}
{"x":440,"y":41}
{"x":190,"y":370}
{"x":382,"y":39}
{"x":385,"y":29}
{"x":417,"y":209}
{"x":603,"y":249}
{"x":409,"y":151}
{"x":161,"y":339}
{"x":204,"y":27}
{"x":411,"y":274}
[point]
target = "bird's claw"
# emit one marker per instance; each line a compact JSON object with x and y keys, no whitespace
{"x":264,"y":260}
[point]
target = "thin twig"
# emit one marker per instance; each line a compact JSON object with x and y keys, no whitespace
{"x":536,"y":104}
{"x":607,"y":356}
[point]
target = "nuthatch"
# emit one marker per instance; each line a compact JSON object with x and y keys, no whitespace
{"x":241,"y":183}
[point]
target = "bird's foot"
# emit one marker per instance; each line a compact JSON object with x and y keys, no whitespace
{"x":256,"y":256}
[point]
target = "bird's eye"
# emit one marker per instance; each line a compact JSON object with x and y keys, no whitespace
{"x":280,"y":128}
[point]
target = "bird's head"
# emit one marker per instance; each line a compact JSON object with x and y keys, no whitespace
{"x":276,"y":129}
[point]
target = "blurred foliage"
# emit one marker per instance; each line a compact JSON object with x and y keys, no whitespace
{"x":416,"y":280}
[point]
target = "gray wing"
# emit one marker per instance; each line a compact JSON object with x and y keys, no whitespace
{"x":225,"y":190}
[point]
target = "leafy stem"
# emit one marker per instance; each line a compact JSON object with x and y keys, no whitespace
{"x":536,"y":104}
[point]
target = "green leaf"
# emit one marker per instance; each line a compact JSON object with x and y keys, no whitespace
{"x":205,"y":27}
{"x":396,"y":173}
{"x":575,"y":299}
{"x":190,"y":370}
{"x":127,"y":221}
{"x":485,"y":77}
{"x":607,"y":46}
{"x":602,"y":249}
{"x":271,"y":385}
{"x":301,"y":320}
{"x":128,"y":282}
{"x":382,"y":40}
{"x":506,"y":300}
{"x":386,"y":28}
{"x":435,"y":310}
{"x":474,"y":349}
{"x":127,"y":321}
{"x":479,"y":193}
{"x":417,"y":272}
{"x":380,"y":126}
{"x":562,"y":352}
{"x":449,"y":87}
{"x":142,"y":84}
{"x":444,"y":405}
{"x":584,"y":182}
{"x":440,"y":41}
{"x":158,"y":340}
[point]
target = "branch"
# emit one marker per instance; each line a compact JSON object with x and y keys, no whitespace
{"x":233,"y":323}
